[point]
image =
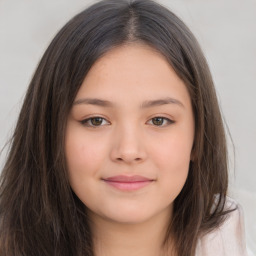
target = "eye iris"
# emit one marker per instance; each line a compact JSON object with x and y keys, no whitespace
{"x":157,"y":120}
{"x":96,"y":121}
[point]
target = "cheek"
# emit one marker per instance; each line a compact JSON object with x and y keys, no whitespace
{"x":84,"y":154}
{"x":174,"y":162}
{"x":84,"y":158}
{"x":172,"y":158}
{"x":173,"y":151}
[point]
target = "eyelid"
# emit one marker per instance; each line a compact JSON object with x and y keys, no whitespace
{"x":85,"y":121}
{"x":169,"y":121}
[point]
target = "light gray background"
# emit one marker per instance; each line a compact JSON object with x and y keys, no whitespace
{"x":226,"y":30}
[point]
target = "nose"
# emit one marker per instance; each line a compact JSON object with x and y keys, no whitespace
{"x":128,"y":146}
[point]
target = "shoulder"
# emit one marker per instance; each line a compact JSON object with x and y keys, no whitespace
{"x":229,"y":238}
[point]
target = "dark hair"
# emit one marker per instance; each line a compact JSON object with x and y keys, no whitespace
{"x":39,"y":213}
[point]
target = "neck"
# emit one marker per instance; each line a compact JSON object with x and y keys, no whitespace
{"x":138,"y":239}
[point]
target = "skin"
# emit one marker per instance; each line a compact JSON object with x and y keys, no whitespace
{"x":127,"y":140}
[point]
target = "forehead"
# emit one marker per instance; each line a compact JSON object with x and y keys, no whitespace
{"x":134,"y":71}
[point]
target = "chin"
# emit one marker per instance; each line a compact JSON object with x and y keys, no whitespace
{"x":135,"y":215}
{"x":131,"y":218}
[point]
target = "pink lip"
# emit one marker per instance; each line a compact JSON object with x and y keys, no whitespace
{"x":128,"y":183}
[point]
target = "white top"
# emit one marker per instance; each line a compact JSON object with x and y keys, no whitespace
{"x":228,"y":239}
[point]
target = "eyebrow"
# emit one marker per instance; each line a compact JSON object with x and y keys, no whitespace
{"x":93,"y":101}
{"x":145,"y":104}
{"x":159,"y":102}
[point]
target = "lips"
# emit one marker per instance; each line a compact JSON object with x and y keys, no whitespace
{"x":128,"y":183}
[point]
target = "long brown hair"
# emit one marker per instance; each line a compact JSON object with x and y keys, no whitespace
{"x":39,"y":213}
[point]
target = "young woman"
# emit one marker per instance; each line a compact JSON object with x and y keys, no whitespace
{"x":119,"y":148}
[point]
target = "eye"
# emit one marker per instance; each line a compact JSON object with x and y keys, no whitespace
{"x":160,"y":121}
{"x":95,"y":121}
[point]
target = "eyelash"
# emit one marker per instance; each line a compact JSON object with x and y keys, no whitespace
{"x":88,"y":122}
{"x":166,"y":120}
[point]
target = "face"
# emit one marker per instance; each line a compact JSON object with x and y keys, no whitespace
{"x":129,"y":136}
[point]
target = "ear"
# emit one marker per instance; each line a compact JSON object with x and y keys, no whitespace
{"x":193,"y":154}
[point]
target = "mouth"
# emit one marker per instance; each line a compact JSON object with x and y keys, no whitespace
{"x":128,"y":183}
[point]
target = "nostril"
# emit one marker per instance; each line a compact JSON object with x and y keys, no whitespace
{"x":120,"y":159}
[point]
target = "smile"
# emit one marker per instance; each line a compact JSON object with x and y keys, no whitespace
{"x":128,"y":183}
